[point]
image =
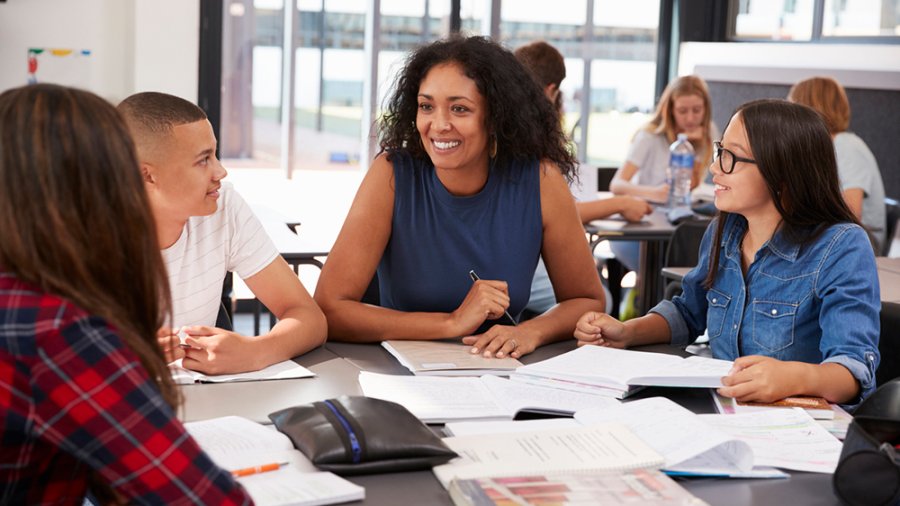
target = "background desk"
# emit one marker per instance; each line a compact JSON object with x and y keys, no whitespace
{"x":653,"y":233}
{"x":336,"y":365}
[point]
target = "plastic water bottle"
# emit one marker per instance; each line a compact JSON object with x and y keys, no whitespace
{"x":681,"y":168}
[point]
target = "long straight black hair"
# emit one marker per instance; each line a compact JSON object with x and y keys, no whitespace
{"x":795,"y":155}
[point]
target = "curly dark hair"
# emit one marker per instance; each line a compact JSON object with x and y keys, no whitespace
{"x":519,"y":114}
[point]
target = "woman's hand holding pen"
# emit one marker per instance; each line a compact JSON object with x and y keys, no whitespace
{"x":486,"y":300}
{"x":600,"y":329}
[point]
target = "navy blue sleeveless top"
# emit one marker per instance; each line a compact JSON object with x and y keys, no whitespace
{"x":437,"y":238}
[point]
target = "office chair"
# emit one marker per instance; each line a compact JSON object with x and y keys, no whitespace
{"x":892,"y":215}
{"x":889,"y":344}
{"x":684,"y":250}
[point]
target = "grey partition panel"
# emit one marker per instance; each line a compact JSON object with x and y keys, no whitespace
{"x":875,"y":118}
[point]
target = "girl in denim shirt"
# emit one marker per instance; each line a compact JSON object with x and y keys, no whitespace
{"x":786,"y":284}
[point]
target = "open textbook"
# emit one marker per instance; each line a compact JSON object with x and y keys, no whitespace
{"x":282,"y":370}
{"x":638,"y":487}
{"x":439,"y":400}
{"x":617,"y":373}
{"x":235,"y":443}
{"x":443,"y":358}
{"x":578,"y":450}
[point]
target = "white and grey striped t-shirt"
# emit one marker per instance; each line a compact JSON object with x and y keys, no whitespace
{"x":231,"y":239}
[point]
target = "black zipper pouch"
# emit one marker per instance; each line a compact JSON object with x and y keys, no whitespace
{"x":359,"y":435}
{"x":868,"y":472}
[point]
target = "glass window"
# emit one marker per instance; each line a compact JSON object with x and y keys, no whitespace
{"x":623,"y":76}
{"x":329,"y":67}
{"x":771,"y":20}
{"x":866,"y":18}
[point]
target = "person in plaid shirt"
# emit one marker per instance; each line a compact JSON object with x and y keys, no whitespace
{"x":86,"y":400}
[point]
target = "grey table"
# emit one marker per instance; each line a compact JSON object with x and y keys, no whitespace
{"x":338,"y":365}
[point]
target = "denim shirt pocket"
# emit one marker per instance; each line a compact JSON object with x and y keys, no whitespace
{"x":773,"y":324}
{"x":717,"y":306}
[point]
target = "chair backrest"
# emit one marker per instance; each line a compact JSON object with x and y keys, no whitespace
{"x":892,"y":216}
{"x":605,"y":177}
{"x":684,"y":247}
{"x":889,"y":344}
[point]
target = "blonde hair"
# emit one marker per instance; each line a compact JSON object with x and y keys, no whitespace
{"x":663,"y":121}
{"x":827,"y":97}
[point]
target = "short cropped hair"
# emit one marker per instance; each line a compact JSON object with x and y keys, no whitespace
{"x":544,"y":61}
{"x":155,"y":112}
{"x":827,"y":97}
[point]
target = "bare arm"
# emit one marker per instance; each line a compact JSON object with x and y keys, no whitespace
{"x":301,"y":327}
{"x":854,"y":199}
{"x":621,"y":185}
{"x":631,"y":208}
{"x":765,"y":379}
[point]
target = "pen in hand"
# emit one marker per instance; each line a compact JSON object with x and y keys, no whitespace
{"x":247,"y":471}
{"x":506,"y":314}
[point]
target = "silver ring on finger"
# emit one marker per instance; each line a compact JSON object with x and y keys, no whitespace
{"x":514,"y":343}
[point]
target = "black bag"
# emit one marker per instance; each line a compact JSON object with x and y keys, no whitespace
{"x":359,"y":435}
{"x":868,"y":472}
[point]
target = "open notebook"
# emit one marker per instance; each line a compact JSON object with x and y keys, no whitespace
{"x":617,"y":373}
{"x":442,"y":358}
{"x":282,"y":370}
{"x":235,"y":443}
{"x":440,"y":400}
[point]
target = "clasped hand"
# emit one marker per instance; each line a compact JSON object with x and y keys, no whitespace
{"x":600,"y":329}
{"x":210,"y":350}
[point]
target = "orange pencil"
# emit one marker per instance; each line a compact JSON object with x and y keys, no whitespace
{"x":247,"y":471}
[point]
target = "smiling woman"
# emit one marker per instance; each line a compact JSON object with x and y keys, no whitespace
{"x":472,"y":177}
{"x":786,"y":284}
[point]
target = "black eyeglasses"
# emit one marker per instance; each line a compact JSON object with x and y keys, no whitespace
{"x":727,"y":158}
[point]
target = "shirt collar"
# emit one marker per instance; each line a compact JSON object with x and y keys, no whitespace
{"x":778,"y":244}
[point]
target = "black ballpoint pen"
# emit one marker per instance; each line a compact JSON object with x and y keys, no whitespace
{"x":508,"y":316}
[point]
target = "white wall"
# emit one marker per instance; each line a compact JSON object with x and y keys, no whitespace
{"x":135,"y":45}
{"x":854,"y":65}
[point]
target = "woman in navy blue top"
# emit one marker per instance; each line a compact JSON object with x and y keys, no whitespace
{"x":786,"y":284}
{"x":472,"y":177}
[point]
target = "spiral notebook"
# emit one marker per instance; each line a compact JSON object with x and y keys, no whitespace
{"x":577,"y":450}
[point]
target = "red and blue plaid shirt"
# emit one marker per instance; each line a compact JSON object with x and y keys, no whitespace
{"x":75,"y":399}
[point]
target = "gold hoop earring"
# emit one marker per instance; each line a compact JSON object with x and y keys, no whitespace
{"x":493,"y":150}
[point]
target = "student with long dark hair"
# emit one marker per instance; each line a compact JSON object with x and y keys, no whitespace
{"x":786,"y":284}
{"x":472,"y":177}
{"x":85,"y":393}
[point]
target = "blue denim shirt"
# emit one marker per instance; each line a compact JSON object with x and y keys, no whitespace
{"x":817,"y":303}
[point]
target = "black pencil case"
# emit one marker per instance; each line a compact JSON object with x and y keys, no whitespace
{"x":359,"y":435}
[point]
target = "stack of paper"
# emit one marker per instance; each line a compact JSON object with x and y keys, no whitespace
{"x":617,"y":373}
{"x":235,"y":443}
{"x":442,"y":358}
{"x":439,"y":400}
{"x":579,"y":450}
{"x":282,"y":370}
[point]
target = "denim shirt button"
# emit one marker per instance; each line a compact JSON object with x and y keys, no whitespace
{"x":774,"y":311}
{"x":735,"y":326}
{"x":714,"y":300}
